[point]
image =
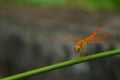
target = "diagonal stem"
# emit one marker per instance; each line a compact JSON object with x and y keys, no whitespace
{"x":62,"y":65}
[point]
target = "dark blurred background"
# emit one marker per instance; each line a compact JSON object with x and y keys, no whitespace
{"x":28,"y":28}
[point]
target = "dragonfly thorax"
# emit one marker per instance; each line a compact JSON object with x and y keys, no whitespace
{"x":79,"y":47}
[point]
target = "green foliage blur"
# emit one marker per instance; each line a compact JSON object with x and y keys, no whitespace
{"x":82,"y":4}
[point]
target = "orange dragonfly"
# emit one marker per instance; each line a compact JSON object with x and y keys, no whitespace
{"x":81,"y":43}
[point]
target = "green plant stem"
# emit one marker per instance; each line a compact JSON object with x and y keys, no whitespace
{"x":61,"y":65}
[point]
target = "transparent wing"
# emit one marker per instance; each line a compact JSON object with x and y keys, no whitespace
{"x":67,"y":40}
{"x":72,"y":39}
{"x":91,"y":37}
{"x":97,"y":39}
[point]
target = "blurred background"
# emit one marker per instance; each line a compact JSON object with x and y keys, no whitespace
{"x":28,"y":28}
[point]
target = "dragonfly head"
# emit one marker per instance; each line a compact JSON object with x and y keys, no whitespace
{"x":77,"y":49}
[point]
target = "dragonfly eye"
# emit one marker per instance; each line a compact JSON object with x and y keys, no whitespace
{"x":77,"y":49}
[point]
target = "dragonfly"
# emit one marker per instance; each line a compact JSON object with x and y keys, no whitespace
{"x":82,"y":43}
